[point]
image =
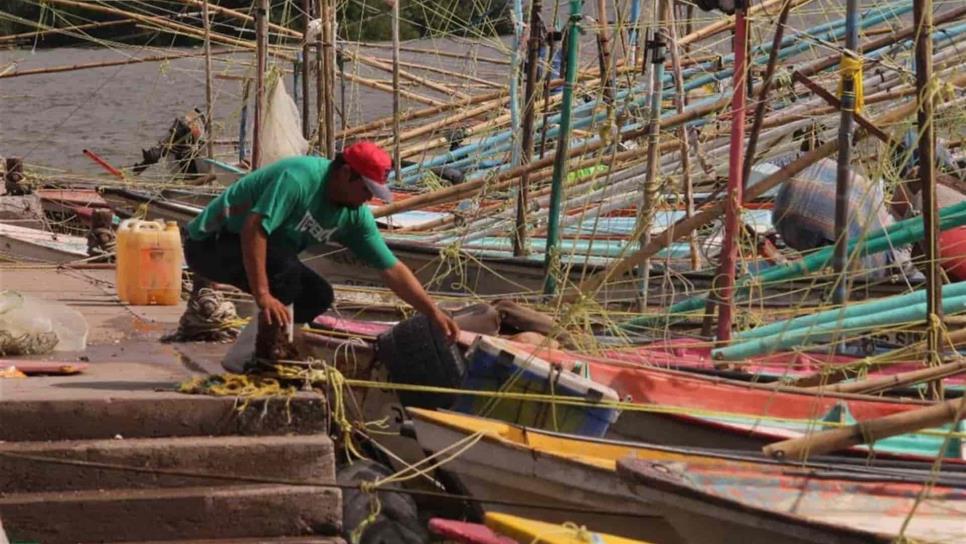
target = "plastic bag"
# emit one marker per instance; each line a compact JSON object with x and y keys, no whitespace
{"x":33,"y":326}
{"x":282,"y":132}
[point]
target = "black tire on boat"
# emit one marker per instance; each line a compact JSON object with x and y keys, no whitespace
{"x":398,"y":519}
{"x":416,"y":352}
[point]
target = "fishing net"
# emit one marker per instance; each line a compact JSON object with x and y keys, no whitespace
{"x":282,"y":133}
{"x":32,"y":326}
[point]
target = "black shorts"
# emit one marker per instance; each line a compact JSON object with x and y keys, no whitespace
{"x":219,"y":259}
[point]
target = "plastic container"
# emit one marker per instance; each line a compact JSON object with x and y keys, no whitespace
{"x":123,"y":261}
{"x":149,"y":264}
{"x":494,"y":365}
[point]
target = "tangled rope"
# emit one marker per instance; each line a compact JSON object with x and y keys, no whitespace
{"x":208,"y":318}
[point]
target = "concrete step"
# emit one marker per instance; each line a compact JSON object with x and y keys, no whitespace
{"x":301,"y":458}
{"x":226,"y":513}
{"x":157,"y":415}
{"x":280,"y":540}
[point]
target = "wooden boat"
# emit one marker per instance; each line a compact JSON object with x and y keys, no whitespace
{"x":130,"y":203}
{"x":506,"y":529}
{"x":65,"y":202}
{"x":728,"y":503}
{"x":26,"y":244}
{"x":570,"y":481}
{"x":537,"y":532}
{"x":577,"y":473}
{"x":687,"y":409}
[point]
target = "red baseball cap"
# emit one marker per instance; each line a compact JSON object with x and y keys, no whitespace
{"x":372,"y":163}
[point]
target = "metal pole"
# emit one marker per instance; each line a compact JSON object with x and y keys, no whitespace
{"x":396,"y":156}
{"x":844,"y":170}
{"x":551,"y":259}
{"x":520,"y":245}
{"x":922,"y":13}
{"x":261,"y":52}
{"x":209,"y":107}
{"x":306,"y":49}
{"x":729,"y":254}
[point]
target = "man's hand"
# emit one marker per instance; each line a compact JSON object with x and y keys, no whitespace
{"x":446,"y":324}
{"x":272,"y":311}
{"x":402,"y":282}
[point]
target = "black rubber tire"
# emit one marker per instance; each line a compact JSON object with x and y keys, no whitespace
{"x":398,"y":519}
{"x":416,"y":352}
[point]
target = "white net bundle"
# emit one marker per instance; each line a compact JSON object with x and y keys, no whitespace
{"x":282,"y":133}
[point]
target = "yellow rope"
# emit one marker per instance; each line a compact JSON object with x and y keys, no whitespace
{"x":851,"y":68}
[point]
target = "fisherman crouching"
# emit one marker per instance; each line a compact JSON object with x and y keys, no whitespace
{"x":251,"y":235}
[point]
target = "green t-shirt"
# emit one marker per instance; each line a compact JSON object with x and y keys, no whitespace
{"x":291,"y":198}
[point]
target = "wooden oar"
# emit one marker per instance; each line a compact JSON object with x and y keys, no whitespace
{"x":866,"y":432}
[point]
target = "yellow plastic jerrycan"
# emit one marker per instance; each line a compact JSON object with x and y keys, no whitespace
{"x":152,"y":273}
{"x":123,"y":265}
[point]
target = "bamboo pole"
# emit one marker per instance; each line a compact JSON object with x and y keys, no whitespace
{"x":244,"y":17}
{"x":764,"y":90}
{"x":209,"y":85}
{"x":66,"y":30}
{"x":520,"y":243}
{"x":498,"y":121}
{"x":385,"y":122}
{"x":464,"y":57}
{"x":320,"y":89}
{"x":502,"y":180}
{"x":396,"y":157}
{"x":866,"y":432}
{"x":159,"y":22}
{"x":449,"y":73}
{"x":306,"y":52}
{"x":923,"y":21}
{"x":711,"y":212}
{"x":429,"y":84}
{"x":680,"y":101}
{"x":328,"y":52}
{"x":871,"y":386}
{"x":651,"y":187}
{"x":105,"y":64}
{"x":261,"y":48}
{"x":603,"y":57}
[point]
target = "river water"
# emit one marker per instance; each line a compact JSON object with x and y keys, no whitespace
{"x":116,"y":111}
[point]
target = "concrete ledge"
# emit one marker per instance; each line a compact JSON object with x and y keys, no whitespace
{"x":158,"y":415}
{"x":281,"y":540}
{"x":225,"y":513}
{"x":307,"y":458}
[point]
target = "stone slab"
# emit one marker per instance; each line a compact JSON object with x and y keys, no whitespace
{"x":258,"y":511}
{"x":298,"y":458}
{"x":158,"y":415}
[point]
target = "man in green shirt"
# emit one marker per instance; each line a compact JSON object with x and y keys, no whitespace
{"x":251,"y":235}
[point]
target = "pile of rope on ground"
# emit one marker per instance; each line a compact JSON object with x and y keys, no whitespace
{"x":208,"y":318}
